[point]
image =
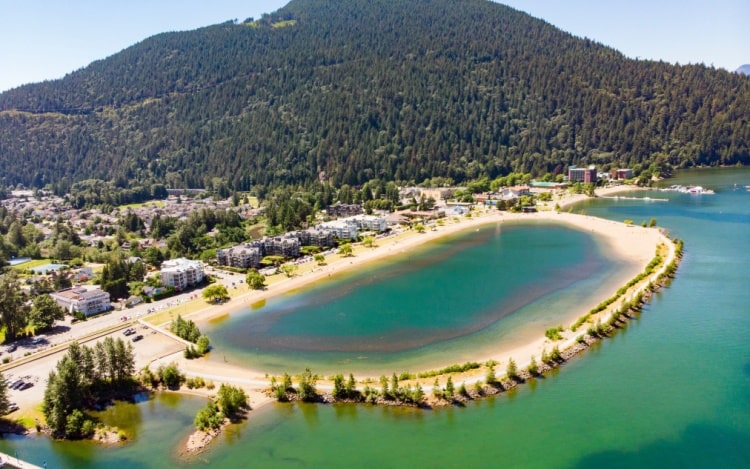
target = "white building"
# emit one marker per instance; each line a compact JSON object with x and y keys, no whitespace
{"x":181,"y":273}
{"x":370,"y":222}
{"x":342,"y":229}
{"x":88,"y":301}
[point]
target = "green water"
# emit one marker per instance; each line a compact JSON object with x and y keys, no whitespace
{"x":450,"y":302}
{"x":670,"y":390}
{"x":156,"y":425}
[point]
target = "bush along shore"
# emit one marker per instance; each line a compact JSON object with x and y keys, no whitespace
{"x":406,"y":389}
{"x":230,"y":406}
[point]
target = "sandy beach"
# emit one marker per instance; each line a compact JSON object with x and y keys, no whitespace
{"x":634,"y":243}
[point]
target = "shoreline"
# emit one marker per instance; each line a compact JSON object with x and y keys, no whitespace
{"x":634,"y":244}
{"x":398,"y":244}
{"x":625,"y":306}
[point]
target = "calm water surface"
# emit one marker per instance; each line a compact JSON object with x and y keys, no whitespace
{"x":671,"y":390}
{"x":449,"y":302}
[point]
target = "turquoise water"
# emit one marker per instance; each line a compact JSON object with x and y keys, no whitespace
{"x":447,"y":303}
{"x":670,"y":390}
{"x":157,"y":427}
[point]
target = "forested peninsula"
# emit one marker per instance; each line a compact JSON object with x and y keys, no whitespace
{"x":347,"y":92}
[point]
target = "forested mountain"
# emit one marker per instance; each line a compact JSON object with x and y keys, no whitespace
{"x":362,"y":89}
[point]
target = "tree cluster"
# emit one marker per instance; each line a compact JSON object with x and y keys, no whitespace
{"x":118,"y":272}
{"x":17,"y":315}
{"x":168,"y":376}
{"x":83,"y":377}
{"x":305,"y":391}
{"x":188,"y":330}
{"x":230,"y":401}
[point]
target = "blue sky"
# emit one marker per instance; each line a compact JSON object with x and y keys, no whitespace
{"x":45,"y":39}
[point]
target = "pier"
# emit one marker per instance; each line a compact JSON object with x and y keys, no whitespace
{"x":6,"y":460}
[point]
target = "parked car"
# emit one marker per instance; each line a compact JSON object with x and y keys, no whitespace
{"x":137,"y":338}
{"x":129,"y":331}
{"x":26,"y":385}
{"x":11,"y":348}
{"x":16,"y":384}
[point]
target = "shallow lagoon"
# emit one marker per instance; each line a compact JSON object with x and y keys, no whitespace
{"x":452,"y":301}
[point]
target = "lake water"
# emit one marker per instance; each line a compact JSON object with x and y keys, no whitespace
{"x":670,"y":390}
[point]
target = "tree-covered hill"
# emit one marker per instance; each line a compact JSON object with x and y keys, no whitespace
{"x":362,"y":89}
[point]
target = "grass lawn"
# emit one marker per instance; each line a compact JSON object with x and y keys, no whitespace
{"x":153,"y":203}
{"x":253,"y":201}
{"x":32,"y":264}
{"x":256,"y":231}
{"x":284,"y":24}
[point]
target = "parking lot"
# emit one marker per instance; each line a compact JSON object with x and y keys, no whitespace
{"x":152,"y":345}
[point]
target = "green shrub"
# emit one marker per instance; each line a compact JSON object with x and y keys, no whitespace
{"x":170,"y":375}
{"x":449,"y":389}
{"x":533,"y":368}
{"x":405,"y":375}
{"x":490,"y":378}
{"x":307,"y":382}
{"x":450,"y":369}
{"x":231,"y":399}
{"x":511,"y":371}
{"x":209,"y":417}
{"x":87,"y":429}
{"x":553,"y":333}
{"x":555,"y":354}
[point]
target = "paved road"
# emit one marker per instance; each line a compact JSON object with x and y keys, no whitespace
{"x":66,"y":332}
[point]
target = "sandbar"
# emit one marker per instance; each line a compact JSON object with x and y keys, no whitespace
{"x":635,"y":244}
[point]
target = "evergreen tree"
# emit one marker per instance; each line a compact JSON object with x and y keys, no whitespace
{"x":44,"y":312}
{"x":13,"y":307}
{"x":4,"y":401}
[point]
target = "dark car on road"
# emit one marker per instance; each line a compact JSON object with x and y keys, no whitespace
{"x":137,"y":338}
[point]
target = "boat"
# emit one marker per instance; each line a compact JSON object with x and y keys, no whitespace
{"x":696,"y":190}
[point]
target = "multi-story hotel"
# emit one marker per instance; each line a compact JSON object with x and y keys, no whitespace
{"x":88,"y":301}
{"x":181,"y":273}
